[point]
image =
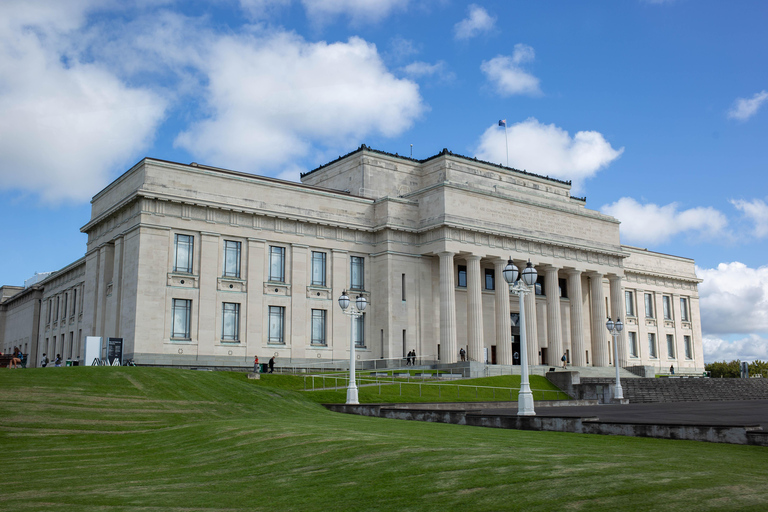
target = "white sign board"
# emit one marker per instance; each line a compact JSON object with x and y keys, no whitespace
{"x":92,"y":349}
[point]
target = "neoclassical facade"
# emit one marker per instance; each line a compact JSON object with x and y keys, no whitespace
{"x":195,"y":265}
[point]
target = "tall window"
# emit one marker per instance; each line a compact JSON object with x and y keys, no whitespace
{"x":403,"y":288}
{"x":632,"y":343}
{"x":688,"y":347}
{"x":276,"y":264}
{"x":230,"y":330}
{"x":539,"y":286}
{"x":652,"y":345}
{"x":649,"y":305}
{"x":318,"y":326}
{"x":64,"y":308}
{"x":462,"y":282}
{"x":358,"y":330}
{"x":50,"y":309}
{"x":357,"y":273}
{"x":683,"y":309}
{"x":232,"y":258}
{"x":667,"y":303}
{"x":489,"y":279}
{"x":318,"y":268}
{"x":629,"y":303}
{"x":58,"y":301}
{"x":183,"y":249}
{"x":670,"y":346}
{"x":74,"y":301}
{"x":562,"y":285}
{"x":276,"y":324}
{"x":181,"y":319}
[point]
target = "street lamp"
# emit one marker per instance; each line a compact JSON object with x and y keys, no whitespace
{"x":520,"y":288}
{"x":615,"y":328}
{"x":355,"y":312}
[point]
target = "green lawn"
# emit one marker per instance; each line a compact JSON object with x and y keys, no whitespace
{"x":130,"y":439}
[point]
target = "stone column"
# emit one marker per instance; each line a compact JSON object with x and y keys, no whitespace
{"x":503,"y":326}
{"x":619,"y":311}
{"x":554,"y":325}
{"x":531,"y":331}
{"x":474,"y":310}
{"x":447,"y":309}
{"x":578,"y":355}
{"x":597,"y":313}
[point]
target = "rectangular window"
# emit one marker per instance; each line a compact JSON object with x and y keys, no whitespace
{"x":629,"y":303}
{"x":489,"y":279}
{"x":539,"y":286}
{"x":688,"y":347}
{"x":649,"y":305}
{"x":230,"y":330}
{"x":232,"y":258}
{"x":632,"y":343}
{"x":683,"y":309}
{"x":357,"y":273}
{"x":562,"y":284}
{"x":50,"y":309}
{"x":64,"y":308}
{"x":58,"y":301}
{"x":183,"y":249}
{"x":318,"y":326}
{"x":318,"y":268}
{"x":670,"y":346}
{"x":667,"y":304}
{"x":181,"y":319}
{"x":74,"y":301}
{"x":276,"y":264}
{"x":462,"y":282}
{"x":276,"y":324}
{"x":358,"y":330}
{"x":403,"y":288}
{"x":652,"y":345}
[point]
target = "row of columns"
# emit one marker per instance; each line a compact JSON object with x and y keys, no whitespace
{"x":599,"y":349}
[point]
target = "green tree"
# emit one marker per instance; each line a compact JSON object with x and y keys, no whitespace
{"x":732,"y":369}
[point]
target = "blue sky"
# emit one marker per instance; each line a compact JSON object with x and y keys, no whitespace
{"x":656,"y":110}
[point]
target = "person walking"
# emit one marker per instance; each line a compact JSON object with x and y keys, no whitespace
{"x":44,"y":361}
{"x":413,"y":357}
{"x":564,"y":359}
{"x":463,"y":354}
{"x":256,"y":364}
{"x":272,"y":364}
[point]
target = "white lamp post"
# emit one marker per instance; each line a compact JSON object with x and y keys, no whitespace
{"x":357,"y":311}
{"x":520,"y":288}
{"x":615,"y":328}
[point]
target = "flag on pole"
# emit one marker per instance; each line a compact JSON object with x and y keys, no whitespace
{"x":503,"y":122}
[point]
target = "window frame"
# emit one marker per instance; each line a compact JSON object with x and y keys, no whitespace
{"x":629,"y":303}
{"x":319,"y":316}
{"x":490,"y":273}
{"x":671,"y":352}
{"x":358,"y":331}
{"x":278,"y":313}
{"x":187,"y":266}
{"x":237,"y":249}
{"x":649,"y":309}
{"x":184,"y":305}
{"x":322,"y":261}
{"x":666,"y":306}
{"x":688,"y":347}
{"x":357,"y":273}
{"x":461,"y":276}
{"x":632,"y":343}
{"x":684,"y":316}
{"x":276,"y":258}
{"x":652,"y":352}
{"x":234,"y":336}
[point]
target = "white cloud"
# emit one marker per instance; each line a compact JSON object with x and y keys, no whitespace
{"x":64,"y":123}
{"x":734,"y":299}
{"x":274,"y":98}
{"x":359,"y":11}
{"x":425,"y":69}
{"x":743,"y":108}
{"x":548,"y":150}
{"x":506,"y":75}
{"x":477,"y":21}
{"x":750,"y":349}
{"x":653,"y":224}
{"x":757,"y":212}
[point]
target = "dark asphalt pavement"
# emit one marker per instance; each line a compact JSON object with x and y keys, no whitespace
{"x":733,"y":413}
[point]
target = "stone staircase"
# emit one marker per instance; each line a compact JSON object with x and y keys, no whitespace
{"x":648,"y":390}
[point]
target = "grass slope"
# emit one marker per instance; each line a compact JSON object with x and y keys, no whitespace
{"x":129,"y":439}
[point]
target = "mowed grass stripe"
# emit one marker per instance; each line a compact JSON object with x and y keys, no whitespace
{"x":220,"y":442}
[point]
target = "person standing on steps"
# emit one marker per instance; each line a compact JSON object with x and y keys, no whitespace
{"x":272,"y":364}
{"x":565,"y":361}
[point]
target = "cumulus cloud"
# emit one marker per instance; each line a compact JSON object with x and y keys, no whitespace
{"x":424,"y":69}
{"x":273,"y":97}
{"x":549,"y":150}
{"x":653,"y":224}
{"x":358,"y":11}
{"x":507,"y":77}
{"x":477,"y":21}
{"x":753,"y":347}
{"x":64,"y":122}
{"x":733,"y":299}
{"x":743,"y":108}
{"x":757,"y":212}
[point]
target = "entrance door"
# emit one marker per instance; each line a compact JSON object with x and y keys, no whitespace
{"x":543,"y":356}
{"x":493,"y":354}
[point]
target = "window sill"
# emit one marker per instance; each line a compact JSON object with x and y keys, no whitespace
{"x":181,"y":340}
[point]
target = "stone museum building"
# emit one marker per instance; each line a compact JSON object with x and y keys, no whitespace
{"x":196,"y":265}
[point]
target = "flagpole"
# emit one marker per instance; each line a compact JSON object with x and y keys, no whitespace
{"x":506,"y":139}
